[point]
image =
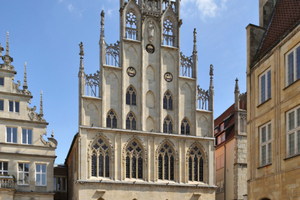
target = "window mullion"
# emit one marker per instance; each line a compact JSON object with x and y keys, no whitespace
{"x":163,"y":168}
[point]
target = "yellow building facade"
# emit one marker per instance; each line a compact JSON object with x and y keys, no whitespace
{"x":273,"y":110}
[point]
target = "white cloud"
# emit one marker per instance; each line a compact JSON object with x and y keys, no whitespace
{"x":207,"y":8}
{"x":109,"y":12}
{"x":70,"y":7}
{"x":59,"y":1}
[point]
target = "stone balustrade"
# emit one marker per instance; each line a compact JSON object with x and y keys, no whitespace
{"x":7,"y":182}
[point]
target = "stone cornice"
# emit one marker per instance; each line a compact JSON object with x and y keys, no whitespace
{"x":112,"y":67}
{"x":188,"y":78}
{"x":130,"y":40}
{"x":169,"y":47}
{"x":25,"y":121}
{"x":32,"y":155}
{"x":91,"y":97}
{"x":8,"y":71}
{"x":16,"y":94}
{"x":147,"y":133}
{"x":151,"y":184}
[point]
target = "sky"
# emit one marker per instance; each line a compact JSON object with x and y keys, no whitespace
{"x":46,"y":34}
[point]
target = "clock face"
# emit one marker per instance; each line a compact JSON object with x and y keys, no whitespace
{"x":150,"y":48}
{"x":168,"y":77}
{"x":131,"y":71}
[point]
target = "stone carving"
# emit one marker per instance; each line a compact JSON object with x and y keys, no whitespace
{"x":202,"y":149}
{"x":107,"y":141}
{"x":243,"y":101}
{"x":18,"y":90}
{"x":151,"y":31}
{"x":52,"y":142}
{"x":203,"y":98}
{"x":136,"y":138}
{"x":112,"y":54}
{"x":150,"y":5}
{"x":92,"y":83}
{"x":33,"y":116}
{"x":186,"y":65}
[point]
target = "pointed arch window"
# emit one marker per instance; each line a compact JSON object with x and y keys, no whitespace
{"x":111,"y":120}
{"x":131,"y":96}
{"x":195,"y":165}
{"x":185,"y":127}
{"x":131,"y":32}
{"x":168,"y":101}
{"x":166,"y":162}
{"x":168,"y":125}
{"x":131,"y":121}
{"x":100,"y":159}
{"x":168,"y":33}
{"x":134,"y":160}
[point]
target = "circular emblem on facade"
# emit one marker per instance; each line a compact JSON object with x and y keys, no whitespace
{"x":168,"y":77}
{"x":131,"y":71}
{"x":150,"y":48}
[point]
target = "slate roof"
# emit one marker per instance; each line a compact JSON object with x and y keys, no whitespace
{"x":285,"y":17}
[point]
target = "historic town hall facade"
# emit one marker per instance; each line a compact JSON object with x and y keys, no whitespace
{"x":145,"y":127}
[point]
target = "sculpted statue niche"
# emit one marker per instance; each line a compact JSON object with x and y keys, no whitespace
{"x":151,"y":31}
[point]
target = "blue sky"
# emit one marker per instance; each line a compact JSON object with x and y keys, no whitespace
{"x":46,"y":34}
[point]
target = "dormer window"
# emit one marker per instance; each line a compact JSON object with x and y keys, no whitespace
{"x":222,"y":127}
{"x":131,"y":32}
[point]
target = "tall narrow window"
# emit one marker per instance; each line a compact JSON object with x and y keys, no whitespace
{"x":131,"y":32}
{"x":134,"y":160}
{"x":23,"y":174}
{"x":166,"y":156}
{"x":168,"y":101}
{"x":265,"y":86}
{"x":293,"y":65}
{"x":131,"y":96}
{"x":1,"y":81}
{"x":3,"y":168}
{"x":185,"y":127}
{"x":1,"y":105}
{"x":131,"y":121}
{"x":111,"y":120}
{"x":100,"y":158}
{"x":11,"y":134}
{"x":293,"y":131}
{"x":265,"y":144}
{"x":26,"y":136}
{"x":168,"y":33}
{"x":168,"y":125}
{"x":195,"y":164}
{"x":41,"y":175}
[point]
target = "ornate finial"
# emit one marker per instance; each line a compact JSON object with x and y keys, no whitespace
{"x":52,"y":135}
{"x":236,"y":90}
{"x":1,"y":49}
{"x":81,"y":53}
{"x":25,"y":87}
{"x":102,"y":23}
{"x":211,"y":73}
{"x":41,"y":105}
{"x":195,"y":41}
{"x":7,"y":44}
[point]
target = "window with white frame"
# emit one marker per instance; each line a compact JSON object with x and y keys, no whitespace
{"x":292,"y":63}
{"x":60,"y":184}
{"x":40,"y":175}
{"x":23,"y":173}
{"x":265,"y":144}
{"x":14,"y":106}
{"x":265,"y":86}
{"x":26,"y":136}
{"x":293,"y":131}
{"x":11,"y":134}
{"x":3,"y":168}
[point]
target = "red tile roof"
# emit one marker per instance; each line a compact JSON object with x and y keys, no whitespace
{"x":285,"y":17}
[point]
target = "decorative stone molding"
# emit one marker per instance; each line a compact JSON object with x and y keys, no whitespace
{"x":199,"y":145}
{"x":92,"y":84}
{"x":18,"y":90}
{"x":52,"y":142}
{"x":203,"y":98}
{"x":136,"y":138}
{"x":33,"y":116}
{"x":112,"y":54}
{"x":97,"y":136}
{"x":171,"y":144}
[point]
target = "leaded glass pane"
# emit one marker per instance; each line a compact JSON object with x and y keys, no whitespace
{"x":165,"y":126}
{"x":269,"y":152}
{"x":269,"y":131}
{"x":115,"y":122}
{"x":108,"y":121}
{"x":291,"y":120}
{"x":269,"y":83}
{"x":170,"y":127}
{"x":170,"y":103}
{"x":190,"y":168}
{"x":195,"y":168}
{"x":94,"y":165}
{"x":172,"y":168}
{"x":291,"y":144}
{"x":263,"y":135}
{"x":201,"y":169}
{"x":182,"y":129}
{"x":127,"y":167}
{"x":14,"y":135}
{"x":106,"y":166}
{"x":166,"y":167}
{"x":8,"y":134}
{"x":133,"y":98}
{"x":187,"y":129}
{"x":128,"y":98}
{"x":160,"y":168}
{"x":127,"y":123}
{"x":263,"y":88}
{"x":298,"y":62}
{"x":165,"y":102}
{"x":263,"y":154}
{"x":101,"y":169}
{"x":133,"y":174}
{"x":290,"y":68}
{"x":140,"y":168}
{"x":133,"y":124}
